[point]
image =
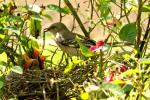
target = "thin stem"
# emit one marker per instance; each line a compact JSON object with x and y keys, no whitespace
{"x":126,"y":15}
{"x":60,"y":14}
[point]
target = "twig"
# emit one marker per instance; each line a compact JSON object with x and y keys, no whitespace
{"x":126,"y":14}
{"x":91,"y":15}
{"x":77,"y":17}
{"x":139,"y":29}
{"x":57,"y":88}
{"x":60,"y":14}
{"x":145,"y":37}
{"x":30,"y":94}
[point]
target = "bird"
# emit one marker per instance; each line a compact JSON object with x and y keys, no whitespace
{"x":67,"y":40}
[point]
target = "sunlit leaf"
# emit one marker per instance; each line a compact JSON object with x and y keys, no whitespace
{"x":144,"y":61}
{"x":146,"y":94}
{"x":130,"y":72}
{"x":36,"y":17}
{"x":84,"y":96}
{"x":73,"y":98}
{"x":33,"y":43}
{"x":146,"y":8}
{"x":17,"y":69}
{"x":118,"y":82}
{"x":12,"y":18}
{"x":126,"y":56}
{"x":45,"y":14}
{"x":58,"y":9}
{"x":2,"y":68}
{"x":114,"y":88}
{"x":2,"y":36}
{"x":3,"y":57}
{"x":128,"y":32}
{"x":69,"y":67}
{"x":13,"y":29}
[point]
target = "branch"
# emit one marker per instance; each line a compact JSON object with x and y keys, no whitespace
{"x":139,"y":29}
{"x":145,"y":36}
{"x":77,"y":17}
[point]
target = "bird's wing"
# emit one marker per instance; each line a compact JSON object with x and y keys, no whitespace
{"x":73,"y":43}
{"x":85,"y":40}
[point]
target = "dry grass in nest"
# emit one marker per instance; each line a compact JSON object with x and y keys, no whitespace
{"x":50,"y":84}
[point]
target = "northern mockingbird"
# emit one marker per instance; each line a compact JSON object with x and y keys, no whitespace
{"x":66,"y":39}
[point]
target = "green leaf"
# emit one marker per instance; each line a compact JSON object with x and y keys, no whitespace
{"x":128,"y":32}
{"x":58,"y":9}
{"x":33,"y":43}
{"x":35,"y":25}
{"x":103,"y":6}
{"x":24,"y":41}
{"x":12,"y":18}
{"x":146,"y":8}
{"x":17,"y":69}
{"x":144,"y":61}
{"x":45,"y":14}
{"x":13,"y":29}
{"x":113,"y":88}
{"x":1,"y":84}
{"x":127,"y":88}
{"x":84,"y":50}
{"x":2,"y":48}
{"x":36,"y":17}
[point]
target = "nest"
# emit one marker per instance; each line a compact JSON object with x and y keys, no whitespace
{"x":50,"y":84}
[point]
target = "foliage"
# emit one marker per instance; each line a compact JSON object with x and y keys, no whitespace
{"x":116,"y":67}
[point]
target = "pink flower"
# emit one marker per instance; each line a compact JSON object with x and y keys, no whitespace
{"x":110,"y":77}
{"x":100,"y":43}
{"x":93,"y":48}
